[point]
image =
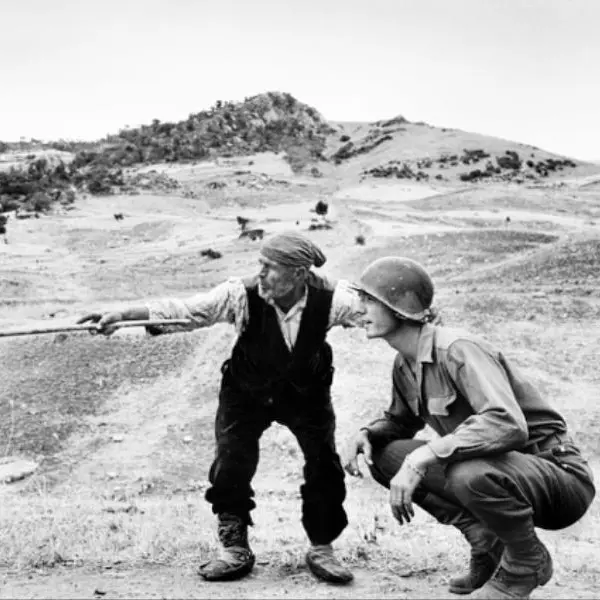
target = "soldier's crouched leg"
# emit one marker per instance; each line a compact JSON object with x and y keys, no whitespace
{"x":504,"y":492}
{"x":433,"y":497}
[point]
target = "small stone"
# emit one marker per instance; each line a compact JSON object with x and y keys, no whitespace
{"x":14,"y":469}
{"x":187,"y":439}
{"x":117,"y":437}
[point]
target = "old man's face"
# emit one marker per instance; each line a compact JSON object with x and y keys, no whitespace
{"x":276,"y":280}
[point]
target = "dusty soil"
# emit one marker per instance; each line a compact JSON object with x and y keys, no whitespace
{"x":122,"y":427}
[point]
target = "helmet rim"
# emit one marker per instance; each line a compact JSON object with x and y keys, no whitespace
{"x":399,"y":274}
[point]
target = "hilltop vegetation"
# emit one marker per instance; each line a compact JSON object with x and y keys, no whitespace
{"x":274,"y":122}
{"x":46,"y":174}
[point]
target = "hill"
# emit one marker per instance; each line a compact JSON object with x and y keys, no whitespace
{"x":121,"y":429}
{"x":36,"y":176}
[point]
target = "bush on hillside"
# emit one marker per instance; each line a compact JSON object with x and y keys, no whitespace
{"x":38,"y":185}
{"x":40,"y":202}
{"x":349,"y":150}
{"x":510,"y":160}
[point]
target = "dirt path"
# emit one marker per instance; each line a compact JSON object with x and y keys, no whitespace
{"x":168,"y":582}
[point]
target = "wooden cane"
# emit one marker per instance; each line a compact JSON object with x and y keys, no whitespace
{"x":92,"y":327}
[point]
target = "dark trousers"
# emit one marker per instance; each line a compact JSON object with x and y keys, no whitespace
{"x":503,"y":492}
{"x":241,"y":420}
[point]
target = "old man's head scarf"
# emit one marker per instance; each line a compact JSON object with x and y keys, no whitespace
{"x":292,"y":249}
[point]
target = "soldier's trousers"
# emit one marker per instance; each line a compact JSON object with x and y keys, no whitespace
{"x":241,"y":420}
{"x":553,"y":487}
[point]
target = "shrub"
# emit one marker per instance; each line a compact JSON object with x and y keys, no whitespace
{"x":40,"y":202}
{"x":321,"y":208}
{"x":8,"y":204}
{"x":510,"y":160}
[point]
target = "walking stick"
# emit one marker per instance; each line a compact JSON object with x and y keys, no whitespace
{"x":92,"y":327}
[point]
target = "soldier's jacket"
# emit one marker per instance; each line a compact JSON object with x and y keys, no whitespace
{"x":470,"y":394}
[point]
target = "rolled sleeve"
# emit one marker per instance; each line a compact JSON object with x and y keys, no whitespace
{"x":498,"y":424}
{"x":346,"y":309}
{"x":225,"y":303}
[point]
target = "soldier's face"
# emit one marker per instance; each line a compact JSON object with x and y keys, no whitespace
{"x":275,"y":280}
{"x":378,"y":320}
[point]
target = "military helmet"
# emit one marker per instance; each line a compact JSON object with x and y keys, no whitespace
{"x":401,"y":284}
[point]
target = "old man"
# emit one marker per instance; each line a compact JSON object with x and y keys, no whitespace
{"x":280,"y":369}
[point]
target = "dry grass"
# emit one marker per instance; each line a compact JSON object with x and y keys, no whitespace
{"x":150,"y":510}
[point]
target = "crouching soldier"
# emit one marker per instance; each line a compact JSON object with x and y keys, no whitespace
{"x":503,"y":463}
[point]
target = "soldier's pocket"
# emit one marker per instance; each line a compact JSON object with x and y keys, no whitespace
{"x":439,"y":405}
{"x":569,"y":459}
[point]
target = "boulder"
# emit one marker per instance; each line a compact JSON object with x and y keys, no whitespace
{"x":15,"y":469}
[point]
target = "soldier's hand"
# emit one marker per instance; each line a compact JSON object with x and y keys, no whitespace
{"x":360,"y":444}
{"x":103,"y":320}
{"x":402,"y":488}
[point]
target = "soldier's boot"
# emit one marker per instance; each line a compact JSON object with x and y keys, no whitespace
{"x":322,"y":562}
{"x":486,"y":548}
{"x":486,"y":552}
{"x":525,"y":565}
{"x":235,"y":559}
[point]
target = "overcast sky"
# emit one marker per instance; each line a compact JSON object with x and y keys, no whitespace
{"x":526,"y":70}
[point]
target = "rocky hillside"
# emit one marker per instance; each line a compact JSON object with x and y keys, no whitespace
{"x":35,"y":176}
{"x":271,"y":122}
{"x":400,"y":149}
{"x":275,"y":122}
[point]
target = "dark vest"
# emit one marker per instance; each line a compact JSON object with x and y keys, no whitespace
{"x":261,"y":361}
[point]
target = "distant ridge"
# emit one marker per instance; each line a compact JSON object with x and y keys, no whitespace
{"x":394,"y":148}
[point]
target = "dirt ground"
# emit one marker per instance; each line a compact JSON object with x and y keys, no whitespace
{"x":122,"y":427}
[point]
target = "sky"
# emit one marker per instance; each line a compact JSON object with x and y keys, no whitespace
{"x":524,"y":70}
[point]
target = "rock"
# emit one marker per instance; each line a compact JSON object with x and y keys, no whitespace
{"x":15,"y":469}
{"x":117,"y":437}
{"x":188,"y":439}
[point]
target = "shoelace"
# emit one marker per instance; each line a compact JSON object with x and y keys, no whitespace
{"x":322,"y":551}
{"x":231,"y":555}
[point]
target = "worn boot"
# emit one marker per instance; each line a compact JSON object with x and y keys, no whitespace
{"x":486,"y":548}
{"x":235,"y":559}
{"x":323,"y":564}
{"x":525,"y":565}
{"x":486,"y":552}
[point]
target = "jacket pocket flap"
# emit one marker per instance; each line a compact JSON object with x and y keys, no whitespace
{"x":439,"y":405}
